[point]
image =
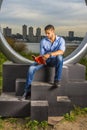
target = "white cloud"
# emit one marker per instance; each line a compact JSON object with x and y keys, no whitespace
{"x":67,"y":13}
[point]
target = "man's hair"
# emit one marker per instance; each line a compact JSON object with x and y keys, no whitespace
{"x":49,"y":27}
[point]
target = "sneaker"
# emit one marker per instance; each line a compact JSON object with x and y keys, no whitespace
{"x":57,"y":83}
{"x":26,"y":95}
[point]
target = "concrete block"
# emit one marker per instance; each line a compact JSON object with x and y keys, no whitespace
{"x":45,"y":91}
{"x":10,"y":106}
{"x":19,"y":87}
{"x":63,"y":99}
{"x":13,"y":71}
{"x":76,"y":72}
{"x":76,"y":88}
{"x":39,"y":110}
{"x":8,"y":84}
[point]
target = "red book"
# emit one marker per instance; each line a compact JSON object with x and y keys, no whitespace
{"x":39,"y":59}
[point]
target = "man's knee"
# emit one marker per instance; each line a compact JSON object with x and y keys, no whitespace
{"x":31,"y":68}
{"x":60,"y":58}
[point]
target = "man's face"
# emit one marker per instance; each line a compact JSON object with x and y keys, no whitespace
{"x":49,"y":33}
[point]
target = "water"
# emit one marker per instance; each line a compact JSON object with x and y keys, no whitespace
{"x":33,"y":47}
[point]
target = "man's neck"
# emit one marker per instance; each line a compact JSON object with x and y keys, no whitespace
{"x":53,"y":38}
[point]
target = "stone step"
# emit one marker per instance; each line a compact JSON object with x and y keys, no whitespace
{"x":46,"y":90}
{"x":11,"y":106}
{"x":13,"y":71}
{"x":74,"y":93}
{"x":42,"y":90}
{"x":39,"y":110}
{"x":20,"y":82}
{"x":63,"y":99}
{"x":78,"y":88}
{"x":60,"y":100}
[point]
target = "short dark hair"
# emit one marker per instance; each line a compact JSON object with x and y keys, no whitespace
{"x":49,"y":27}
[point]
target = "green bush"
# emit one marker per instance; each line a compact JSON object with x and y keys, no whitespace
{"x":77,"y":111}
{"x":19,"y":47}
{"x":1,"y":124}
{"x":35,"y":125}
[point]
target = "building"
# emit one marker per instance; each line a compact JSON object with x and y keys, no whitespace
{"x":7,"y":31}
{"x":0,"y":3}
{"x":31,"y":31}
{"x":38,"y":32}
{"x":35,"y":38}
{"x":24,"y":31}
{"x":86,"y":2}
{"x":71,"y":34}
{"x":31,"y":35}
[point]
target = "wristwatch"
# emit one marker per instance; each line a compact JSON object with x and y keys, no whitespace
{"x":50,"y":55}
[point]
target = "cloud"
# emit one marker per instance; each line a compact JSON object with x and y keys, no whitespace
{"x":40,"y":12}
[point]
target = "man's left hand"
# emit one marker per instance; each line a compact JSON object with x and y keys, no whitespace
{"x":46,"y":56}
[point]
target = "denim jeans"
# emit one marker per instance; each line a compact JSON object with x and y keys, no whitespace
{"x":57,"y":62}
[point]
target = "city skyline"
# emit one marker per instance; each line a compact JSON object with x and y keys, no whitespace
{"x":28,"y":31}
{"x":65,"y":15}
{"x":28,"y":35}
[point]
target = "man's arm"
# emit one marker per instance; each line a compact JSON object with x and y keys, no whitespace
{"x":48,"y":55}
{"x":42,"y":51}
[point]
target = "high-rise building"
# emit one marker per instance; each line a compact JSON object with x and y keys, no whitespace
{"x":24,"y":31}
{"x":31,"y":31}
{"x":0,"y":3}
{"x":71,"y":34}
{"x":7,"y":31}
{"x":86,"y":2}
{"x":31,"y":35}
{"x":38,"y":32}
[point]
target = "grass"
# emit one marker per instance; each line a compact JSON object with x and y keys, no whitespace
{"x":22,"y":124}
{"x":27,"y":124}
{"x":77,"y":111}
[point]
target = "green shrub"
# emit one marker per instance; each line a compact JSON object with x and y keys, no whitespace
{"x":44,"y":125}
{"x":33,"y":125}
{"x":77,"y":111}
{"x":1,"y":124}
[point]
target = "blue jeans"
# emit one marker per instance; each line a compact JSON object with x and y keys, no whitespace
{"x":57,"y":62}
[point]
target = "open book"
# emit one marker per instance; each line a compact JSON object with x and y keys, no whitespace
{"x":39,"y":59}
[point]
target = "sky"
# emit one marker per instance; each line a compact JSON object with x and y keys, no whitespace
{"x":65,"y":15}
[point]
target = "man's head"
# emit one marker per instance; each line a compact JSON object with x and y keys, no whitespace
{"x":49,"y":31}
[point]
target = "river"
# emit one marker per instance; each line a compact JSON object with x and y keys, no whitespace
{"x":35,"y":47}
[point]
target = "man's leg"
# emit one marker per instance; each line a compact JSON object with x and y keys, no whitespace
{"x":58,"y":67}
{"x":30,"y":75}
{"x":58,"y":70}
{"x":57,"y":62}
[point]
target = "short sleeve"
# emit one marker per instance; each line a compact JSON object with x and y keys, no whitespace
{"x":62,"y":44}
{"x":42,"y":52}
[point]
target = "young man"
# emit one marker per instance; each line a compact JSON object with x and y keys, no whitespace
{"x":52,"y":48}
